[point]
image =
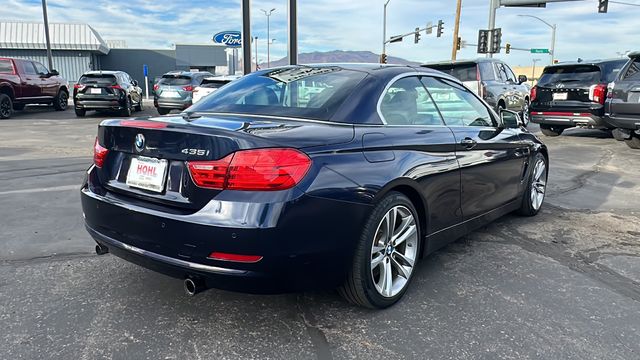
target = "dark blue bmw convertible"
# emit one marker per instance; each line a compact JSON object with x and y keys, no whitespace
{"x":301,"y":177}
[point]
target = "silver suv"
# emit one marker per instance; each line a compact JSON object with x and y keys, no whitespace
{"x":175,"y":90}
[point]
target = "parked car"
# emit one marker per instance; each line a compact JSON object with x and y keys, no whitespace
{"x":572,"y":94}
{"x":175,"y":90}
{"x":211,"y":84}
{"x":622,"y":108}
{"x":253,"y":190}
{"x":107,"y":90}
{"x":493,"y":80}
{"x":24,"y":82}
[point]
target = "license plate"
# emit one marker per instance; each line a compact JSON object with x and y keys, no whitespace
{"x":170,"y":93}
{"x":560,"y":96}
{"x":147,"y":173}
{"x":95,"y":91}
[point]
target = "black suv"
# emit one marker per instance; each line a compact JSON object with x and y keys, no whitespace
{"x":622,"y":108}
{"x":175,"y":90}
{"x":572,"y":94}
{"x":107,"y":90}
{"x":493,"y":80}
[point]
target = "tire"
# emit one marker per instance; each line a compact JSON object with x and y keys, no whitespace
{"x":550,"y":130}
{"x":533,"y":197}
{"x":127,"y":111}
{"x":633,"y":142}
{"x":6,"y":106}
{"x":81,"y":112}
{"x":139,"y":106}
{"x":366,"y":283}
{"x":163,"y":111}
{"x":61,"y":101}
{"x":525,"y":113}
{"x":18,"y":106}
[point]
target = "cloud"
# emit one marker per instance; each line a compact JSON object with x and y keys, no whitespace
{"x":348,"y":25}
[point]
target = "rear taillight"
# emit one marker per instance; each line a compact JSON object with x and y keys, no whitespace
{"x":533,"y":94}
{"x":116,"y":87}
{"x":156,"y":87}
{"x":610,"y":88}
{"x":79,"y":87}
{"x":187,"y":88}
{"x":99,"y":153}
{"x":598,"y":93}
{"x":252,"y":170}
{"x":235,"y":257}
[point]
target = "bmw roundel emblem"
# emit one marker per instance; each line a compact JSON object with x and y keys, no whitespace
{"x":139,"y":142}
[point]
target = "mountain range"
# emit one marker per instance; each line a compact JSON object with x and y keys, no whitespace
{"x":340,"y":56}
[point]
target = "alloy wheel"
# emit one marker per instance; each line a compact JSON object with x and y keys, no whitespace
{"x":394,"y":251}
{"x":5,"y":108}
{"x":538,"y":184}
{"x":63,"y":100}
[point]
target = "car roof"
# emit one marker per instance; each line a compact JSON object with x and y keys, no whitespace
{"x":462,"y":61}
{"x":188,"y":73}
{"x":223,"y":77}
{"x":633,"y":54}
{"x":586,"y":62}
{"x":102,"y":72}
{"x":370,"y":68}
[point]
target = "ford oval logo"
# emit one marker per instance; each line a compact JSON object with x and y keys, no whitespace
{"x":228,"y":38}
{"x":139,"y":142}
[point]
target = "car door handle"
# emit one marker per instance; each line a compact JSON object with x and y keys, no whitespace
{"x":468,"y":143}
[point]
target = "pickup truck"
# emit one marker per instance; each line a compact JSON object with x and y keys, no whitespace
{"x":25,"y":82}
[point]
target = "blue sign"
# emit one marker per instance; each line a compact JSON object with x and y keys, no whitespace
{"x":145,"y":69}
{"x":228,"y":38}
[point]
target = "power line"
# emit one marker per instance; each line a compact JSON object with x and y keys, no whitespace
{"x":624,"y":3}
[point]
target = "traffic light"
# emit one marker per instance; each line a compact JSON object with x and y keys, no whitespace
{"x":383,"y":58}
{"x":440,"y":28}
{"x":507,"y":48}
{"x":483,"y":41}
{"x":603,"y":6}
{"x":417,"y":36}
{"x":496,"y":40}
{"x":459,"y":43}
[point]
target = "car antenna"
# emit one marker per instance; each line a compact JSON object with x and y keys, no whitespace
{"x":189,"y":115}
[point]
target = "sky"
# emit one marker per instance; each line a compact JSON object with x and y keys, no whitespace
{"x":351,"y":25}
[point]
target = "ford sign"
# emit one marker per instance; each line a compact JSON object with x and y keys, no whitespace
{"x":228,"y":38}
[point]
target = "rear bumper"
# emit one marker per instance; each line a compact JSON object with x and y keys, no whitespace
{"x":306,"y":243}
{"x":109,"y":104}
{"x":623,"y":122}
{"x":568,"y":119}
{"x":169,"y":103}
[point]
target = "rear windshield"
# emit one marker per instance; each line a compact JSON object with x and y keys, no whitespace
{"x":462,"y":72}
{"x":213,"y":84}
{"x":175,"y":80}
{"x":304,"y":91}
{"x":573,"y":75}
{"x":610,"y":70}
{"x":6,"y":67}
{"x":98,"y":79}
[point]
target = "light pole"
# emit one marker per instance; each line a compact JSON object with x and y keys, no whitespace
{"x":255,"y":39}
{"x":268,"y":15}
{"x":553,"y":27}
{"x":46,"y":34}
{"x":384,"y":28}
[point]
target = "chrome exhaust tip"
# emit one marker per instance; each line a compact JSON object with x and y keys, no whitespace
{"x":101,"y":249}
{"x":193,"y":286}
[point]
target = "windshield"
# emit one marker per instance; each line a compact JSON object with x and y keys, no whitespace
{"x":213,"y":84}
{"x":462,"y":72}
{"x":574,"y":75}
{"x":305,"y":91}
{"x":98,"y":79}
{"x":175,"y":80}
{"x":612,"y":69}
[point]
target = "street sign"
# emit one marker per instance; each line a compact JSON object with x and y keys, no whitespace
{"x":232,"y":39}
{"x":429,"y":28}
{"x":539,"y":51}
{"x":145,"y":70}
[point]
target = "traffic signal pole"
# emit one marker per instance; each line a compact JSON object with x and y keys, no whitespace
{"x":456,"y":29}
{"x":493,"y":7}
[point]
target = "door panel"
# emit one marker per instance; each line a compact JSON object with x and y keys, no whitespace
{"x":625,"y":101}
{"x":30,"y":80}
{"x":48,"y":86}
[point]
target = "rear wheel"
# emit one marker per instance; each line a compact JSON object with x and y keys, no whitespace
{"x":81,"y":112}
{"x":61,"y":101}
{"x":536,"y":187}
{"x":386,"y":255}
{"x":525,"y":113}
{"x":551,"y":130}
{"x":6,"y":106}
{"x":163,"y":111}
{"x":126,"y":107}
{"x":633,"y":142}
{"x":139,"y":105}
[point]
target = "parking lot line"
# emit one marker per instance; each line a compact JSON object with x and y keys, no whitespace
{"x":49,"y":189}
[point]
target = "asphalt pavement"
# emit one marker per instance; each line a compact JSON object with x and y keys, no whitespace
{"x":562,"y":285}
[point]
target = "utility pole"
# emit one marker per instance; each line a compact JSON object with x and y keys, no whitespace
{"x":246,"y":36}
{"x":256,"y":43}
{"x":46,"y":34}
{"x":384,"y":30}
{"x":268,"y":15}
{"x":456,"y":28}
{"x":533,"y":73}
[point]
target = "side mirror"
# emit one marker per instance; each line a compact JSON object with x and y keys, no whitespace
{"x":134,"y":82}
{"x":510,"y":119}
{"x":522,"y":79}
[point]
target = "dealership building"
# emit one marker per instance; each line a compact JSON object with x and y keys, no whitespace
{"x":77,"y":48}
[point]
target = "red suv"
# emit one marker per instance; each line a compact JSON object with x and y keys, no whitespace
{"x":25,"y":82}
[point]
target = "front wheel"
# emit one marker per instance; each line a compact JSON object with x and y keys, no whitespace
{"x":633,"y":142}
{"x":139,"y":106}
{"x":163,"y":111}
{"x":386,"y":254}
{"x":536,"y":187}
{"x":126,"y":108}
{"x":81,"y":112}
{"x":61,"y":101}
{"x":525,"y":113}
{"x":6,"y":106}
